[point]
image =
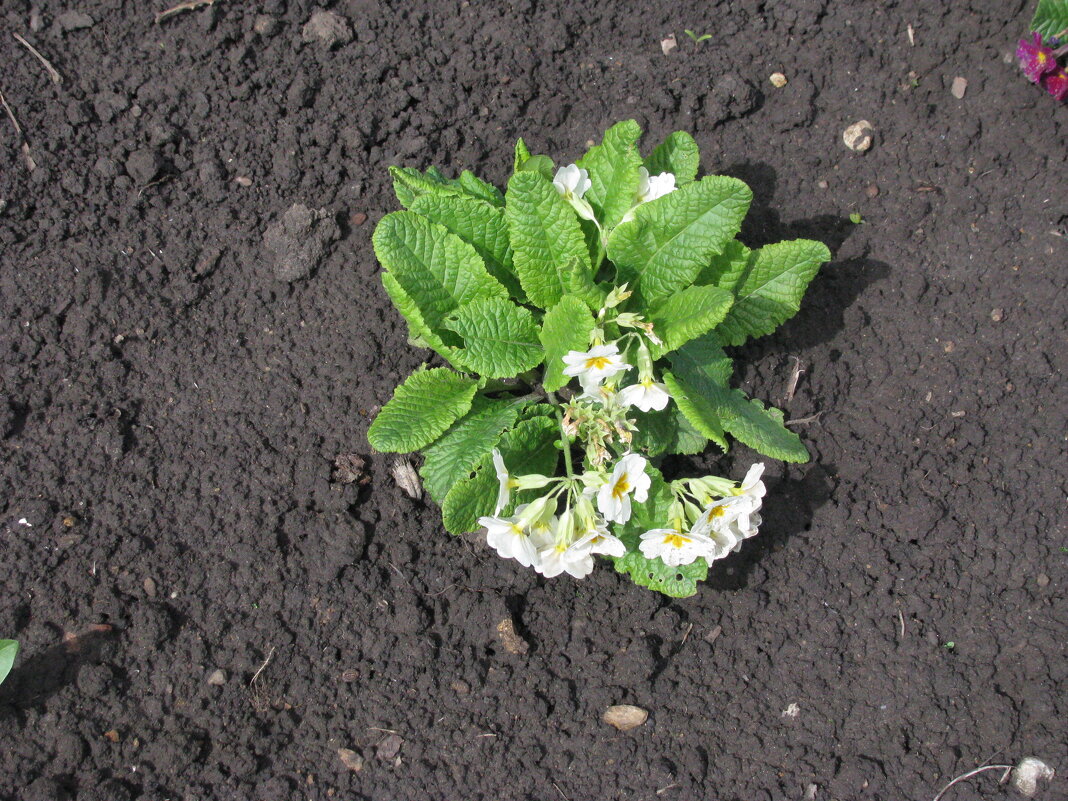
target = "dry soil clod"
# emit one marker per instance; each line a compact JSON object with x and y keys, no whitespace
{"x":510,"y":639}
{"x":859,"y":136}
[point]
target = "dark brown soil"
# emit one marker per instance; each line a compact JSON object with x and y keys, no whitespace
{"x":174,"y":398}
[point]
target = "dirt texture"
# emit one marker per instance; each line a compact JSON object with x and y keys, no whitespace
{"x":212,"y":605}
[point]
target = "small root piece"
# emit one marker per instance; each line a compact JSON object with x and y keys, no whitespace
{"x":795,"y":375}
{"x":11,"y":115}
{"x":970,"y":773}
{"x":53,"y":73}
{"x":188,"y":5}
{"x":801,"y":421}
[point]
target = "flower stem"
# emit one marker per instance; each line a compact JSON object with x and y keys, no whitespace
{"x":563,"y":435}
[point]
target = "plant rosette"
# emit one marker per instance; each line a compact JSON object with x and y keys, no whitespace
{"x":583,"y":315}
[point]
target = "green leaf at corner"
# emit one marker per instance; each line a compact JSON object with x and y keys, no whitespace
{"x":409,"y":184}
{"x":420,"y":334}
{"x":770,"y":292}
{"x":663,"y":249}
{"x":675,"y":582}
{"x":546,"y":237}
{"x":525,"y":162}
{"x":688,"y":314}
{"x":452,"y":457}
{"x":500,"y":338}
{"x":679,"y":155}
{"x":695,"y":406}
{"x":421,"y":409}
{"x":613,"y":171}
{"x":475,"y":187}
{"x":762,"y":428}
{"x":9,"y":649}
{"x":566,"y":327}
{"x":1051,"y":18}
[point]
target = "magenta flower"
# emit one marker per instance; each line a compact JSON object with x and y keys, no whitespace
{"x":1056,"y":83}
{"x":1035,"y":59}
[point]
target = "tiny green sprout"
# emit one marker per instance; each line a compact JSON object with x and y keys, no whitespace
{"x":949,"y":646}
{"x":697,"y":38}
{"x":9,"y":649}
{"x":855,"y":218}
{"x":1064,"y":549}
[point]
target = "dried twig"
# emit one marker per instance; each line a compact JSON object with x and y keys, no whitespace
{"x":804,"y":420}
{"x":901,"y":620}
{"x":970,"y":773}
{"x":11,"y":115}
{"x":256,"y":675}
{"x":188,"y":5}
{"x":795,"y":375}
{"x":53,"y":73}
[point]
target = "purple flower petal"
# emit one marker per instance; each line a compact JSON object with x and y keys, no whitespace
{"x":1035,"y":59}
{"x":1056,"y":84}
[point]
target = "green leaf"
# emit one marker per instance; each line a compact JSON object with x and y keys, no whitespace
{"x":696,"y":407}
{"x":420,"y":334}
{"x":656,"y":430}
{"x":435,"y":268}
{"x":545,"y":235}
{"x":409,"y":184}
{"x":9,"y":649}
{"x":421,"y":409}
{"x":583,"y":285}
{"x":675,"y":582}
{"x":470,"y":498}
{"x":527,"y":448}
{"x":687,"y":440}
{"x":688,"y":314}
{"x":726,"y":269}
{"x":670,"y":239}
{"x":704,"y":356}
{"x":500,"y":338}
{"x":678,"y":155}
{"x":566,"y":327}
{"x":770,"y":292}
{"x":480,"y":225}
{"x":613,"y":171}
{"x":475,"y":187}
{"x":524,"y":162}
{"x":452,"y":457}
{"x":1051,"y":18}
{"x":761,"y":429}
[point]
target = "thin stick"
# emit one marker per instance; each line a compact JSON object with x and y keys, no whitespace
{"x":188,"y":5}
{"x":11,"y":115}
{"x":901,"y":620}
{"x":969,"y":774}
{"x":560,"y":791}
{"x":804,"y":420}
{"x":53,"y":73}
{"x":256,"y":675}
{"x":687,"y":634}
{"x":795,"y":374}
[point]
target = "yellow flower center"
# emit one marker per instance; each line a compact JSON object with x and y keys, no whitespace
{"x":717,"y":512}
{"x":621,"y":487}
{"x":1041,"y":57}
{"x":597,"y":362}
{"x":676,"y":540}
{"x":517,"y":530}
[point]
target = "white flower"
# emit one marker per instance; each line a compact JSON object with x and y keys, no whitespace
{"x":557,"y":553}
{"x":572,"y":182}
{"x":675,"y":547}
{"x":613,"y":499}
{"x":596,"y":364}
{"x":510,"y":539}
{"x":734,"y":518}
{"x":646,"y":395}
{"x":506,"y":481}
{"x":652,"y":187}
{"x":599,"y":540}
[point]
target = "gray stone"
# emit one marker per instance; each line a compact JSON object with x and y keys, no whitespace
{"x":297,"y":242}
{"x":327,"y":27}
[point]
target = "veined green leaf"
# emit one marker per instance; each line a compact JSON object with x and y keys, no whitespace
{"x":762,"y":428}
{"x":613,"y":171}
{"x":1051,"y":18}
{"x":566,"y":327}
{"x":670,"y":239}
{"x":687,"y":440}
{"x":9,"y":649}
{"x":689,"y":395}
{"x":582,"y":285}
{"x":525,"y":162}
{"x":420,"y":334}
{"x":421,"y":409}
{"x":704,"y":356}
{"x":500,"y":338}
{"x":688,"y":314}
{"x":475,"y":187}
{"x":545,"y":236}
{"x":480,"y":225}
{"x":679,"y":155}
{"x":409,"y":184}
{"x":437,"y":270}
{"x":470,"y":498}
{"x":770,"y":292}
{"x":726,"y":269}
{"x":452,"y":457}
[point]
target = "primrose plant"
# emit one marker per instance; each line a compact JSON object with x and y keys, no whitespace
{"x":1041,"y":54}
{"x":584,"y":314}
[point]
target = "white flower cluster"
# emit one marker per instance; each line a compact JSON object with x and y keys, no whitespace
{"x":572,"y":182}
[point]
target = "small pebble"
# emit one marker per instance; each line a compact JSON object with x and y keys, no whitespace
{"x":859,"y":136}
{"x":997,"y":314}
{"x":460,"y":687}
{"x":265,"y":25}
{"x":389,"y":747}
{"x":1042,"y":580}
{"x":778,"y":80}
{"x":625,"y":717}
{"x":350,"y":675}
{"x":406,"y":477}
{"x":668,"y":43}
{"x":959,"y":87}
{"x":359,"y":218}
{"x":150,"y":587}
{"x":822,"y":184}
{"x":351,"y":759}
{"x":872,"y":191}
{"x":243,"y":180}
{"x":217,"y":678}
